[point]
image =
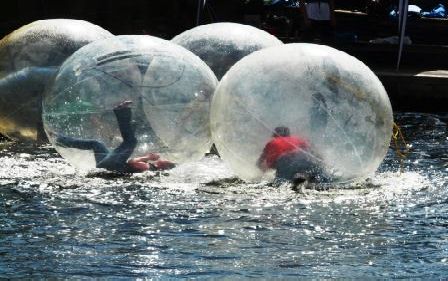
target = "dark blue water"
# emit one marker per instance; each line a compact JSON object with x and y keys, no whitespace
{"x":199,"y":221}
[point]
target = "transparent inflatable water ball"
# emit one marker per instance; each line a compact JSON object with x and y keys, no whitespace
{"x":29,"y":59}
{"x":325,"y":96}
{"x":221,"y":45}
{"x":169,"y":87}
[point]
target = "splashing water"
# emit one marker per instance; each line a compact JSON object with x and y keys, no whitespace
{"x":200,"y":221}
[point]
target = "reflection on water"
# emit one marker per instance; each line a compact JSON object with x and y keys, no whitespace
{"x":200,"y":221}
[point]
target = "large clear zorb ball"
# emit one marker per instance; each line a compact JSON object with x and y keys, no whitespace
{"x":221,"y":45}
{"x":323,"y":95}
{"x":29,"y":59}
{"x":169,"y":86}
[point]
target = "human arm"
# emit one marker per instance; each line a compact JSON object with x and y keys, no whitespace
{"x":138,"y":165}
{"x":163,"y":165}
{"x":148,"y":157}
{"x":141,"y":163}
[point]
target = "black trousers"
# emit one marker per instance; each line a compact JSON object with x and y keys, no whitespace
{"x":113,"y":160}
{"x":288,"y":165}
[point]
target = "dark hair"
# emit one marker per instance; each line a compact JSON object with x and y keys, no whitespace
{"x":281,"y":132}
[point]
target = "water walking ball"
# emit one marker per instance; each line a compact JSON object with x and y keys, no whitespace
{"x":29,"y":59}
{"x":170,"y":89}
{"x":221,"y":45}
{"x":321,"y":94}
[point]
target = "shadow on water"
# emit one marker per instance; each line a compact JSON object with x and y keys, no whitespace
{"x":200,"y":221}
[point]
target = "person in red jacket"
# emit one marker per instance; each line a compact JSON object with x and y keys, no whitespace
{"x":290,"y":156}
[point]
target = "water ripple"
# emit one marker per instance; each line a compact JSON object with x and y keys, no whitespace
{"x":199,"y":221}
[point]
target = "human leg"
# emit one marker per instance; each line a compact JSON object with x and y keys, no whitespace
{"x":297,"y":166}
{"x":117,"y":159}
{"x":100,"y":151}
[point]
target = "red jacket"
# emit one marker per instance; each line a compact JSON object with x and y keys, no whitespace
{"x":279,"y":146}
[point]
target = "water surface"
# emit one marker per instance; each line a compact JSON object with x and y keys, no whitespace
{"x":199,"y":221}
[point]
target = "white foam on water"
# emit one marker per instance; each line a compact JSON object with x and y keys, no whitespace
{"x":53,"y":175}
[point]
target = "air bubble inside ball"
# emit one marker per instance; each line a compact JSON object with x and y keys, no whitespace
{"x":323,"y":95}
{"x":169,"y":86}
{"x":221,"y":45}
{"x":29,"y":59}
